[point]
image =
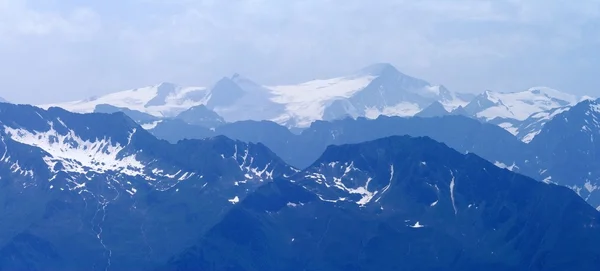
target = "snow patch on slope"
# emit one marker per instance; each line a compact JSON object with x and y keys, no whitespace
{"x":306,"y":102}
{"x":452,"y":183}
{"x":521,"y":105}
{"x":417,"y":225}
{"x":142,"y":99}
{"x":533,"y":125}
{"x":78,"y":155}
{"x":151,"y":125}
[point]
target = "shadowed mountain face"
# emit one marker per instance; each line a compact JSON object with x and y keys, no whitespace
{"x":436,"y":109}
{"x":461,"y":133}
{"x":568,"y":148}
{"x":401,"y":203}
{"x":563,"y":152}
{"x":202,"y":116}
{"x":98,"y":192}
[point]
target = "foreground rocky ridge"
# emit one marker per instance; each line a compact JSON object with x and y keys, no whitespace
{"x":98,"y":192}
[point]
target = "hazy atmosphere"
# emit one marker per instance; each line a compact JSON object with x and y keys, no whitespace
{"x":299,"y":135}
{"x":62,"y":50}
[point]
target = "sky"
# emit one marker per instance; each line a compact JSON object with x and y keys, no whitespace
{"x":63,"y":50}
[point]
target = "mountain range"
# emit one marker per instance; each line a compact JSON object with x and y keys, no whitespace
{"x":548,"y":158}
{"x":379,"y":89}
{"x":523,"y":114}
{"x":74,"y":187}
{"x":401,"y":203}
{"x":371,"y":91}
{"x":376,"y":170}
{"x":96,"y":191}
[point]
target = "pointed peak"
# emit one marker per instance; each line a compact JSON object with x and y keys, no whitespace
{"x":245,"y":83}
{"x":460,"y":110}
{"x":435,"y":109}
{"x":379,"y":69}
{"x":226,"y":83}
{"x":238,"y":78}
{"x":437,"y":104}
{"x":587,"y":103}
{"x":224,"y":79}
{"x":225,"y":92}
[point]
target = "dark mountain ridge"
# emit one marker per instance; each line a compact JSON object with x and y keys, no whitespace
{"x":98,"y":192}
{"x":438,"y":209}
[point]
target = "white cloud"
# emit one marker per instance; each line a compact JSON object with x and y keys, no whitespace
{"x":18,"y":20}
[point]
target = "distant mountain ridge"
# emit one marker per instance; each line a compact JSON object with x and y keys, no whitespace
{"x":373,"y":91}
{"x":521,"y":113}
{"x":551,"y":156}
{"x":379,"y":89}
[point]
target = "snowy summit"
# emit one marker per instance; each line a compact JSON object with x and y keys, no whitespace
{"x":379,"y":89}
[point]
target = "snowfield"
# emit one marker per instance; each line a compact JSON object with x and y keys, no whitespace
{"x":373,"y":91}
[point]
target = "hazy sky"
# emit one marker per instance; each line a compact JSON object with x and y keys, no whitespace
{"x":61,"y":50}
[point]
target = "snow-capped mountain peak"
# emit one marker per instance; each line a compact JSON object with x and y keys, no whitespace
{"x":379,"y":89}
{"x":522,"y":113}
{"x":245,"y":83}
{"x":164,"y":99}
{"x":224,"y":93}
{"x":517,"y":105}
{"x":378,"y":69}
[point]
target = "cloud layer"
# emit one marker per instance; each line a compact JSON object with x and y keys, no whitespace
{"x":53,"y":50}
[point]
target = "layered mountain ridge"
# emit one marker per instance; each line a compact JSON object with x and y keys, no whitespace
{"x":98,"y":192}
{"x":562,"y":155}
{"x":401,"y":203}
{"x":379,"y":89}
{"x":75,"y":185}
{"x":372,"y":91}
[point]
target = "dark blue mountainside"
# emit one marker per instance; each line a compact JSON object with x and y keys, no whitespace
{"x":564,"y":152}
{"x":98,"y":192}
{"x":401,"y":203}
{"x":569,"y":149}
